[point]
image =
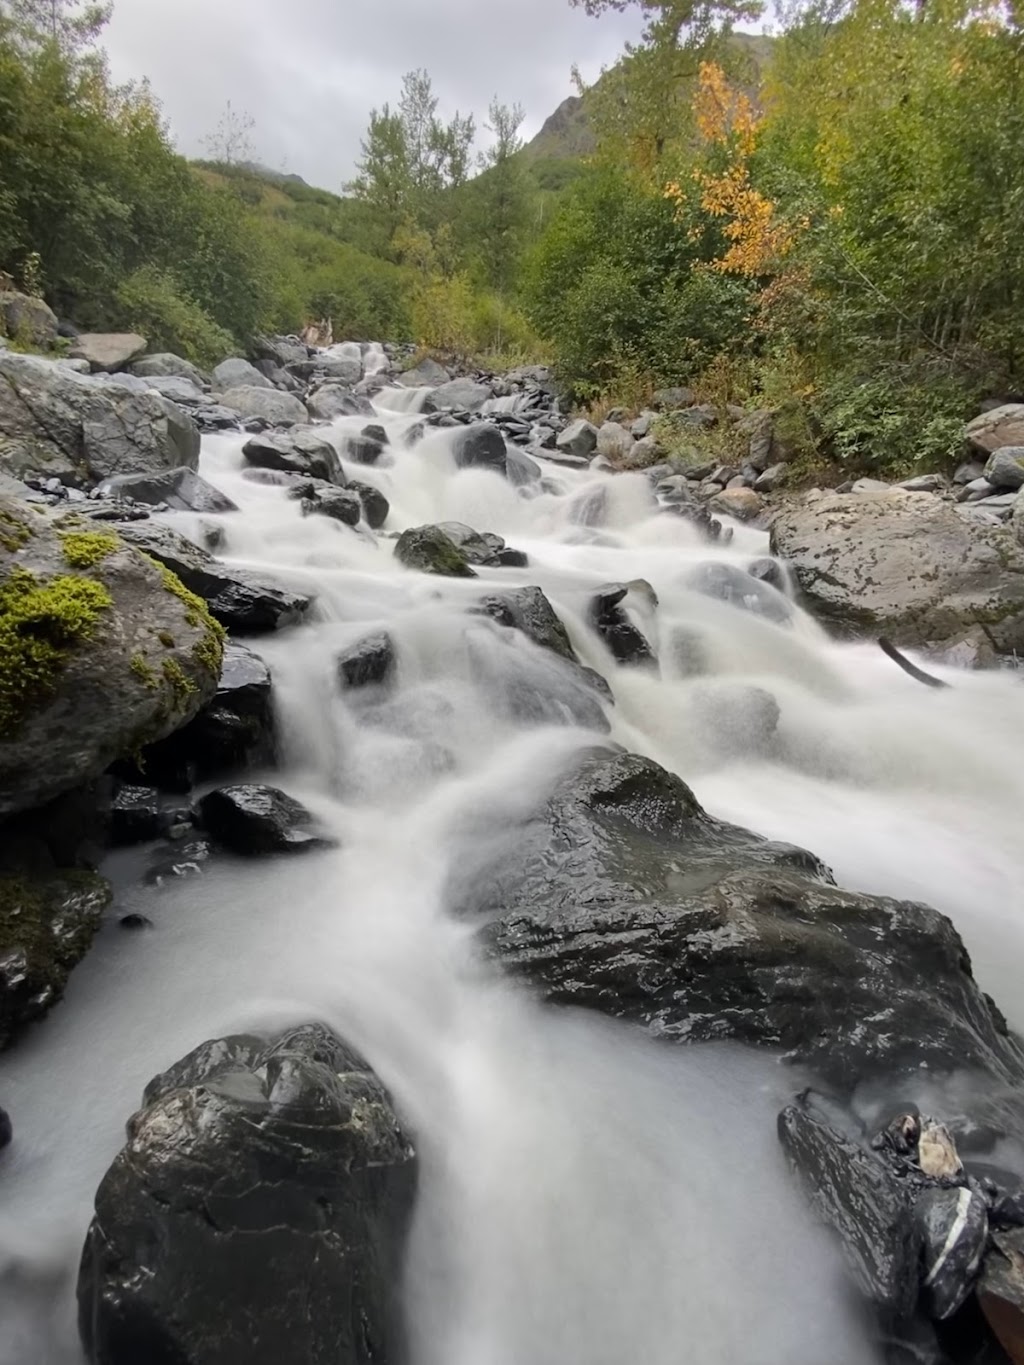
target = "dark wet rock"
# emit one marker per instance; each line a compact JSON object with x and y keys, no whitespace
{"x":135,"y":815}
{"x":270,"y":405}
{"x":740,"y":589}
{"x":257,"y":1213}
{"x":186,"y":859}
{"x":528,"y":610}
{"x":908,"y":566}
{"x":107,"y":656}
{"x":337,"y":400}
{"x":374,"y":432}
{"x":370,"y":660}
{"x":302,"y":450}
{"x":429,"y":550}
{"x":235,"y":730}
{"x":480,"y":446}
{"x":82,"y":429}
{"x":856,"y":1195}
{"x":240,"y":600}
{"x":533,"y":687}
{"x":483,"y":547}
{"x":135,"y":922}
{"x":768,"y":570}
{"x":238,"y":373}
{"x":47,"y":923}
{"x":255,"y":820}
{"x":6,"y":1129}
{"x":520,"y":469}
{"x":621,"y":894}
{"x":376,"y":507}
{"x":952,"y":1225}
{"x":182,"y":490}
{"x":321,"y":499}
{"x":364,"y":449}
{"x":626,"y":641}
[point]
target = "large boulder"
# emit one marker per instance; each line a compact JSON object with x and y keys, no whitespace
{"x":428,"y":373}
{"x":46,"y":926}
{"x":82,"y":429}
{"x":579,"y":439}
{"x":256,"y":1214}
{"x":429,"y":550}
{"x":1005,"y":468}
{"x":180,"y":489}
{"x":254,"y":820}
{"x":270,"y":405}
{"x":466,"y":394}
{"x":165,"y":365}
{"x":27,"y":319}
{"x":241,"y":600}
{"x":177,"y":389}
{"x":742,"y":503}
{"x":303,"y":450}
{"x":337,"y":400}
{"x":480,"y":446}
{"x":101,"y":652}
{"x":107,"y":352}
{"x":614,"y":442}
{"x":1003,"y":426}
{"x":283,"y":351}
{"x":905,"y":565}
{"x":621,"y":894}
{"x":237,"y":373}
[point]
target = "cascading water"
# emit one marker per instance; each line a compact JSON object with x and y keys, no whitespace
{"x":585,"y":1195}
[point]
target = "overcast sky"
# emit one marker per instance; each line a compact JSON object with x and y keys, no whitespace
{"x":309,"y":71}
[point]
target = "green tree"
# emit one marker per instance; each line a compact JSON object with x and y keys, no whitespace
{"x":501,"y":203}
{"x":231,"y":140}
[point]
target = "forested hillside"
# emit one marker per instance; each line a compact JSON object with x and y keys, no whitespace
{"x":830,"y":223}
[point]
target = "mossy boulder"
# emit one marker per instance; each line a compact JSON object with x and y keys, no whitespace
{"x":429,"y":550}
{"x":46,"y":927}
{"x":102,"y":651}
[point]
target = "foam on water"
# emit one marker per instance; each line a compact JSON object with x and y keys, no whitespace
{"x":585,"y":1195}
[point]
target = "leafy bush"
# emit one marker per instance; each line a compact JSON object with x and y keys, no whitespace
{"x":151,"y":302}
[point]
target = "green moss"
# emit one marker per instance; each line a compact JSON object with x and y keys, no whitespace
{"x":86,"y":549}
{"x":209,"y":652}
{"x":181,"y":685}
{"x":40,"y":623}
{"x":14,"y":532}
{"x":144,"y":672}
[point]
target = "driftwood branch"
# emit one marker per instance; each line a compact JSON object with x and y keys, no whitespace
{"x":887,"y":647}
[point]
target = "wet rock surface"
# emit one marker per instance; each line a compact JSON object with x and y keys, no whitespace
{"x":239,"y":599}
{"x":429,"y":550}
{"x":621,"y":894}
{"x":255,"y":820}
{"x":256,"y":1213}
{"x":370,"y":660}
{"x":300,"y":451}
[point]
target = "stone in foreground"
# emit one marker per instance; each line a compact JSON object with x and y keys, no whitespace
{"x":253,"y":820}
{"x":429,"y":550}
{"x":256,"y":1215}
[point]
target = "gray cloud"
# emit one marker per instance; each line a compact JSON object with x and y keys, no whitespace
{"x":309,"y":71}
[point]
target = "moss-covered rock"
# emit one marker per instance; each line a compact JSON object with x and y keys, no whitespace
{"x":428,"y":549}
{"x":102,"y":651}
{"x":46,"y":927}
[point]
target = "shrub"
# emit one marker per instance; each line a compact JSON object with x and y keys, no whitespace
{"x":151,"y":302}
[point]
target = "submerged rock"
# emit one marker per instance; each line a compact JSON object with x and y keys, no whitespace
{"x":376,"y":508}
{"x":46,"y":926}
{"x":905,"y":565}
{"x":135,"y":816}
{"x":480,"y":446}
{"x":625,"y":640}
{"x":255,"y":820}
{"x":370,"y":660}
{"x":256,"y":1215}
{"x":321,"y":499}
{"x":747,"y":590}
{"x":429,"y":550}
{"x":240,"y":600}
{"x":621,"y":894}
{"x":100,"y":653}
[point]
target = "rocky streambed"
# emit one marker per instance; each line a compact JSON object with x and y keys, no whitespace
{"x":515,"y":907}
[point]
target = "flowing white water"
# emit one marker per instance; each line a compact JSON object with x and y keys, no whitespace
{"x":586,"y":1196}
